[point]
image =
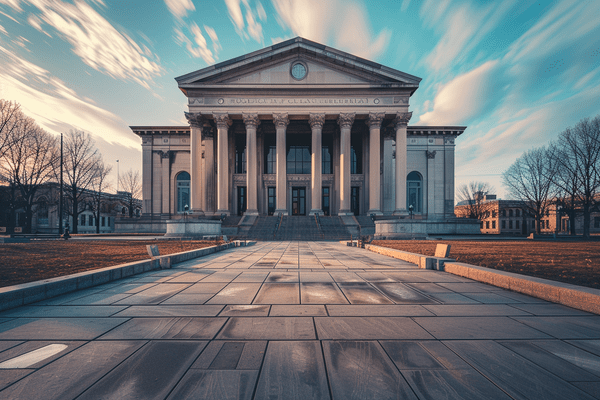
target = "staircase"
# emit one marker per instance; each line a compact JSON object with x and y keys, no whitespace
{"x":367,"y":226}
{"x":264,"y":228}
{"x":298,"y":228}
{"x":333,"y":228}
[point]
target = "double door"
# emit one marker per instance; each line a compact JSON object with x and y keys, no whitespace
{"x":298,"y":200}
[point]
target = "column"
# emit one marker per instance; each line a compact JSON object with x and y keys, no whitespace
{"x":195,"y":121}
{"x":166,"y":181}
{"x":345,"y":121}
{"x":316,"y":122}
{"x":252,"y":122}
{"x":374,"y":121}
{"x":401,"y":122}
{"x":281,"y":122}
{"x":147,"y":174}
{"x":209,"y":190}
{"x":222,"y":121}
{"x":431,"y":176}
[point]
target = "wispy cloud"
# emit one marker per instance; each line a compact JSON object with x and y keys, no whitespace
{"x":344,"y":22}
{"x":247,"y":22}
{"x":52,"y":103}
{"x":180,"y":8}
{"x":96,"y":41}
{"x":199,"y":46}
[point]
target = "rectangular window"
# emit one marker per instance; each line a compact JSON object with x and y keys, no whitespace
{"x":510,"y":212}
{"x":518,"y":224}
{"x":90,"y":220}
{"x":504,"y":213}
{"x":532,"y":224}
{"x":270,"y":154}
{"x":327,"y":154}
{"x":356,"y":154}
{"x":487,"y":224}
{"x":298,"y":160}
{"x":503,"y":224}
{"x":82,"y":220}
{"x":510,"y":225}
{"x":493,"y":224}
{"x":494,"y":213}
{"x":518,"y":212}
{"x":596,"y":222}
{"x":240,"y":154}
{"x":103,"y":220}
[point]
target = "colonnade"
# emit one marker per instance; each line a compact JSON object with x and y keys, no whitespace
{"x":202,"y":132}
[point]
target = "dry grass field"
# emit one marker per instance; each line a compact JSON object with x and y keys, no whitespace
{"x":28,"y":262}
{"x":565,"y":261}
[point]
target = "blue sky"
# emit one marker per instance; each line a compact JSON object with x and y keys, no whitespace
{"x":516,"y":72}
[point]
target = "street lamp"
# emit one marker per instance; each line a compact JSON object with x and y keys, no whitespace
{"x":117,"y":176}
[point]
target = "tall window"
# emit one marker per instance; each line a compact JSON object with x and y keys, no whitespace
{"x":326,"y":154}
{"x":183,"y":191}
{"x":414,"y":192}
{"x":298,"y":156}
{"x":356,"y":154}
{"x":240,"y":154}
{"x":270,"y":155}
{"x":42,"y":212}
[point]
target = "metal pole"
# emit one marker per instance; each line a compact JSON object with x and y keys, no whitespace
{"x":117,"y":177}
{"x":60,"y":196}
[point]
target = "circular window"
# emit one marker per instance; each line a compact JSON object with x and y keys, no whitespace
{"x":299,"y":70}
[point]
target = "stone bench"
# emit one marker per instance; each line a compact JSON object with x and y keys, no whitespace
{"x":426,"y":262}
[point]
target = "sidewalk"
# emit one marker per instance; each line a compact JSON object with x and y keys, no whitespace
{"x":298,"y":320}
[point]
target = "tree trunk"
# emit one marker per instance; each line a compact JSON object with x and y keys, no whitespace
{"x":586,"y":220}
{"x":75,"y":210}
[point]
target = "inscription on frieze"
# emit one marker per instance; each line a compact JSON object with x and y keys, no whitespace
{"x":299,"y":101}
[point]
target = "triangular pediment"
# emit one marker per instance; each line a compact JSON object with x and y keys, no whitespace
{"x":273,"y":66}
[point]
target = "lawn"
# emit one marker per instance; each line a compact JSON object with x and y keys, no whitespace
{"x":28,"y":262}
{"x":576,"y":262}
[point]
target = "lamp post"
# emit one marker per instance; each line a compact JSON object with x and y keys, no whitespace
{"x":410,"y":210}
{"x":60,"y":190}
{"x":117,"y":177}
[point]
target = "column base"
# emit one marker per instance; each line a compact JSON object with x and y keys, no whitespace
{"x":316,"y":212}
{"x":251,"y":212}
{"x":221,"y":212}
{"x":197,"y":213}
{"x":343,"y":213}
{"x":376,"y":212}
{"x":281,"y":212}
{"x":400,"y":212}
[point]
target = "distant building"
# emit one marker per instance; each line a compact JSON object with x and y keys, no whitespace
{"x":510,"y":217}
{"x":45,"y":218}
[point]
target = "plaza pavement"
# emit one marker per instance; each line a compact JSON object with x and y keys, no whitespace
{"x":304,"y":320}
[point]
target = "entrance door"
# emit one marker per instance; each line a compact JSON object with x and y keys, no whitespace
{"x":298,"y":201}
{"x":355,"y":200}
{"x":271,"y":192}
{"x":241,"y":200}
{"x":325,"y":200}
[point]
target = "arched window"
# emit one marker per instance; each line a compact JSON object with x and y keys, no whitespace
{"x":183,"y":191}
{"x":414,"y":191}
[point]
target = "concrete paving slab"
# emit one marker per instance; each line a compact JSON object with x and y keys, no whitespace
{"x":69,"y":376}
{"x":150,"y":373}
{"x":278,"y":293}
{"x":478,"y":328}
{"x":171,"y":311}
{"x":268,"y":328}
{"x":321,"y":293}
{"x":29,"y":356}
{"x":562,"y":327}
{"x":517,"y":376}
{"x":472,"y":310}
{"x":371,"y":310}
{"x":57,"y":328}
{"x":549,"y":309}
{"x":166,"y":328}
{"x":402,"y":294}
{"x":592,"y":346}
{"x":245,"y":311}
{"x":363,"y":293}
{"x":591,"y":388}
{"x":368,"y":328}
{"x":63,"y":311}
{"x":187,"y":299}
{"x":292,"y":310}
{"x":220,"y":384}
{"x":236,"y":293}
{"x":10,"y":376}
{"x":293,"y":370}
{"x":574,"y":355}
{"x":154,"y":295}
{"x":361,"y":370}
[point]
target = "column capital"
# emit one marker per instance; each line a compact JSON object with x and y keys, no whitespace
{"x":430,"y":154}
{"x":281,"y":120}
{"x":208,"y":132}
{"x":316,"y":120}
{"x":194,"y":119}
{"x":251,"y":120}
{"x":375,"y":119}
{"x":402,"y":119}
{"x":222,"y":120}
{"x":345,"y":120}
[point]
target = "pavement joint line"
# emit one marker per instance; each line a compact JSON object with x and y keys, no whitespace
{"x":32,"y":292}
{"x":578,"y":297}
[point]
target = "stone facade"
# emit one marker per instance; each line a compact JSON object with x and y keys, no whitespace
{"x":298,"y":128}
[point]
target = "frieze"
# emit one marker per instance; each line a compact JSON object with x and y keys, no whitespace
{"x":356,"y":178}
{"x":296,"y":101}
{"x":239,"y":178}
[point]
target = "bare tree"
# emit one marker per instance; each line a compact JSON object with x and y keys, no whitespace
{"x":579,"y":162}
{"x":473,"y":196}
{"x":529,"y":179}
{"x":131,"y":183}
{"x":10,"y":117}
{"x":99,"y":185}
{"x":565,"y":179}
{"x":81,"y":160}
{"x":28,"y":162}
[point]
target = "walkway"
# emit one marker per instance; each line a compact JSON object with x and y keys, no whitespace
{"x":304,"y":320}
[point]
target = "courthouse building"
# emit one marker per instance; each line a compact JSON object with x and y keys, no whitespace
{"x":298,"y":128}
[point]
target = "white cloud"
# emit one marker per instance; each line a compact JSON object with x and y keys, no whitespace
{"x":16,"y":4}
{"x":344,"y":22}
{"x":51,"y":102}
{"x":99,"y":44}
{"x":180,"y":8}
{"x":464,"y":97}
{"x":198,"y":48}
{"x":3,"y":30}
{"x":251,"y":28}
{"x":404,"y":6}
{"x":214,"y":38}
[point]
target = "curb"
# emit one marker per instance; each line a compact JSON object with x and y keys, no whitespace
{"x":31,"y":292}
{"x":579,"y":297}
